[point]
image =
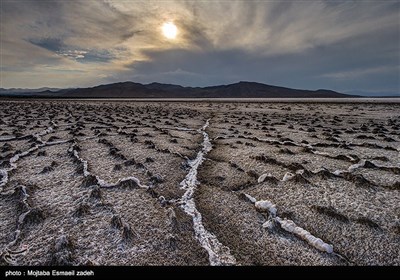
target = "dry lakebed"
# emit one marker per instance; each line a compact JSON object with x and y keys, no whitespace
{"x":199,"y":183}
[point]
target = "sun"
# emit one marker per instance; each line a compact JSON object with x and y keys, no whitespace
{"x":169,"y":30}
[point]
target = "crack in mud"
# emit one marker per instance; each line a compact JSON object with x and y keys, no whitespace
{"x":217,"y":252}
{"x":13,"y":160}
{"x":96,"y":179}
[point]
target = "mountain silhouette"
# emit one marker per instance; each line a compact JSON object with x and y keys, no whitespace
{"x":159,"y":90}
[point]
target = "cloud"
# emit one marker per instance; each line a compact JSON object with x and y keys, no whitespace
{"x":356,"y":73}
{"x":57,"y":46}
{"x":303,"y":44}
{"x":51,"y":44}
{"x":75,"y":54}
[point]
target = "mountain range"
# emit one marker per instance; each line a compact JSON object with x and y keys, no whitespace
{"x":158,"y":90}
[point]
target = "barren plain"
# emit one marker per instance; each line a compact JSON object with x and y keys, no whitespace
{"x":199,"y":183}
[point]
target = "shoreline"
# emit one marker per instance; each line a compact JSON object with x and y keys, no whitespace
{"x":361,"y":100}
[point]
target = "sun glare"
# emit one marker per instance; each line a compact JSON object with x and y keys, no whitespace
{"x":169,"y":30}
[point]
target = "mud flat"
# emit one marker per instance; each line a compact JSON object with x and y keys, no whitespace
{"x":199,"y":183}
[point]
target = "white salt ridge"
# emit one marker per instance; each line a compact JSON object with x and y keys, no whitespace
{"x":330,"y":155}
{"x":172,"y":152}
{"x":44,"y":132}
{"x":92,"y":137}
{"x":264,"y":176}
{"x":218,"y":253}
{"x":57,"y":142}
{"x":315,"y":171}
{"x":287,"y":176}
{"x":268,"y":224}
{"x":15,"y":158}
{"x":249,"y":197}
{"x":21,"y":217}
{"x":2,"y":138}
{"x":320,"y":153}
{"x":25,"y":203}
{"x":289,"y":225}
{"x":102,"y":183}
{"x":37,"y":135}
{"x":220,"y":137}
{"x":271,"y":140}
{"x":351,"y":168}
{"x":266,"y":205}
{"x":8,"y":254}
{"x":105,"y":184}
{"x":16,"y":236}
{"x":316,"y":242}
{"x":85,"y":163}
{"x":178,"y":154}
{"x":183,"y":129}
{"x":4,"y":177}
{"x":351,"y":158}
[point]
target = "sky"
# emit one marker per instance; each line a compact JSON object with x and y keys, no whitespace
{"x":347,"y":46}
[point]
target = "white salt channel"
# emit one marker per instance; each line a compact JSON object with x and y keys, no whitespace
{"x":217,"y":252}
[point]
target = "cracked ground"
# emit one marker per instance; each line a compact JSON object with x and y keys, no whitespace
{"x":100,"y":183}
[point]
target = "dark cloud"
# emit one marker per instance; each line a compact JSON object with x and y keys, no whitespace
{"x":57,"y":46}
{"x":98,"y":56}
{"x":51,"y":44}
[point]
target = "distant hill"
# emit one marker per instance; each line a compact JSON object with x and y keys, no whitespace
{"x":26,"y":91}
{"x":158,"y":90}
